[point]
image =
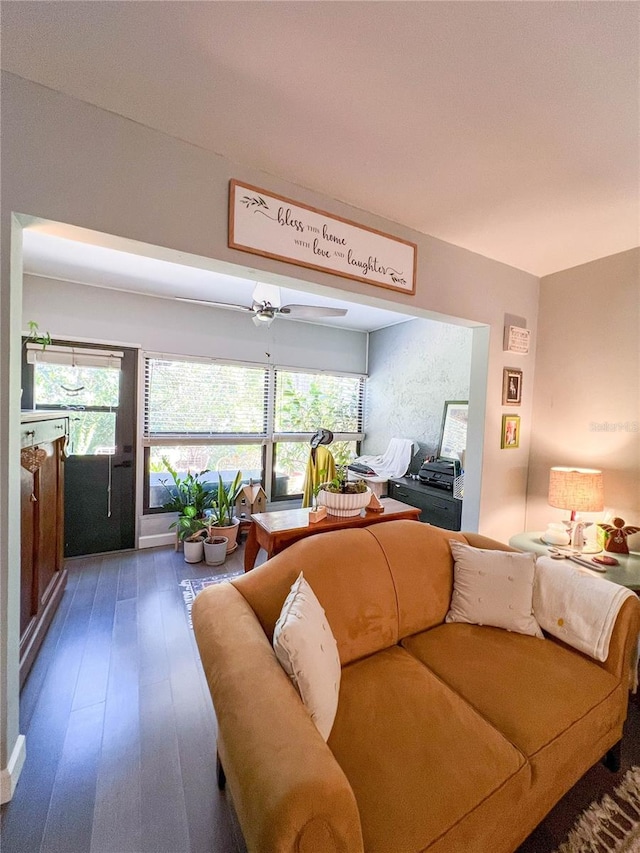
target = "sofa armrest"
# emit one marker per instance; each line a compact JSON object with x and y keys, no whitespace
{"x":624,"y":641}
{"x":289,"y":792}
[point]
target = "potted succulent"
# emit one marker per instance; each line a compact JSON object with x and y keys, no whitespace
{"x":222,"y":521}
{"x":342,"y":497}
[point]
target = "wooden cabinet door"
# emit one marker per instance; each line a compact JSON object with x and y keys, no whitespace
{"x":43,"y":574}
{"x":47,"y":491}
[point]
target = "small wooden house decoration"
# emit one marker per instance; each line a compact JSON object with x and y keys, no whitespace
{"x":252,"y":498}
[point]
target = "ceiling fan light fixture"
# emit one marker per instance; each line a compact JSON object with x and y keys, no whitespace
{"x":262,"y":319}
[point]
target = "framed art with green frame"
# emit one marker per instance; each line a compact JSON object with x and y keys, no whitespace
{"x":510,"y":432}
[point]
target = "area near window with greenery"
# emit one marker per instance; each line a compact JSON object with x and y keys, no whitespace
{"x":225,"y":417}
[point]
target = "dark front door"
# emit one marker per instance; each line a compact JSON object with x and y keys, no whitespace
{"x":97,"y":387}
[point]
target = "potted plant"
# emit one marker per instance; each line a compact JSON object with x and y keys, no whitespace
{"x":191,"y":532}
{"x":43,"y":339}
{"x":190,"y":499}
{"x":342,"y":497}
{"x":222,"y":521}
{"x":189,"y":491}
{"x":215,"y":550}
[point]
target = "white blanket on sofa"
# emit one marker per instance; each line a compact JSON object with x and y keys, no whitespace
{"x":578,"y":608}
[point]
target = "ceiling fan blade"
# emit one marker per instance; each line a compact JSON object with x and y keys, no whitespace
{"x":269,"y":293}
{"x":213,"y":304}
{"x":311,"y":312}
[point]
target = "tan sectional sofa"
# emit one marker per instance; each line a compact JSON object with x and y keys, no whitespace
{"x":449,"y":738}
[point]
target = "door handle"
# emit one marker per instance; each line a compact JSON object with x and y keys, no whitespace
{"x":126,"y":464}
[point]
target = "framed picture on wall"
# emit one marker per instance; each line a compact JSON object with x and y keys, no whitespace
{"x":511,"y":387}
{"x":453,"y":435}
{"x":510,"y":432}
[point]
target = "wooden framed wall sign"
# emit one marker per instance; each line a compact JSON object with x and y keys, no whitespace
{"x":276,"y":227}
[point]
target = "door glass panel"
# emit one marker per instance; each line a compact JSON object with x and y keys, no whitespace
{"x":66,"y":386}
{"x":92,"y":433}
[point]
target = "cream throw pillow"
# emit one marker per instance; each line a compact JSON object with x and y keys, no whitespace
{"x":493,"y":588}
{"x":307,"y":651}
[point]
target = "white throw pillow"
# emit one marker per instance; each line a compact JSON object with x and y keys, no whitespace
{"x":307,"y":651}
{"x":493,"y":588}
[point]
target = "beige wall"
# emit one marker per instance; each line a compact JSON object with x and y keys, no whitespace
{"x":67,"y":161}
{"x":587,"y":394}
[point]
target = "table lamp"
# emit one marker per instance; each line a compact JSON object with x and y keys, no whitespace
{"x":577,"y":490}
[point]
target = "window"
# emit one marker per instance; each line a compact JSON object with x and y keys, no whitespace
{"x":226,"y":417}
{"x":191,"y":398}
{"x":87,"y":384}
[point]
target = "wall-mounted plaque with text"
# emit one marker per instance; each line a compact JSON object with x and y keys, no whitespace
{"x":516,"y":339}
{"x":276,"y":227}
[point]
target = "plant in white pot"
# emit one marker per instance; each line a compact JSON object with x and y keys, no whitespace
{"x":222,"y":521}
{"x":342,"y":497}
{"x":191,"y":532}
{"x":215,"y":550}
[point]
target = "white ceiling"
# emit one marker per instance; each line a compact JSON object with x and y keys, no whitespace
{"x":509,"y":128}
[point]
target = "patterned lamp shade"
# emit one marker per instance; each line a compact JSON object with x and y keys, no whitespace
{"x":577,"y":489}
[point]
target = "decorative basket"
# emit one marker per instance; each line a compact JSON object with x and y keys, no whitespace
{"x":343,"y":505}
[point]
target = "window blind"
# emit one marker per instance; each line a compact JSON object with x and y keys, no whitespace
{"x":306,"y":401}
{"x":198,"y":398}
{"x":74,"y":356}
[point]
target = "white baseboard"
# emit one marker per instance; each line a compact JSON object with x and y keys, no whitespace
{"x":10,"y":774}
{"x":156,"y":539}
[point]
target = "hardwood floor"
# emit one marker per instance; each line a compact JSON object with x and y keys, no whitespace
{"x":121,"y":731}
{"x":119,"y":723}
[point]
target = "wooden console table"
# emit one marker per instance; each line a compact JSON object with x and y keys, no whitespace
{"x":275,"y":531}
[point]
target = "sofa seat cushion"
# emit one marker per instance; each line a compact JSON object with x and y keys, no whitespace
{"x":532,"y":690}
{"x":419,"y":758}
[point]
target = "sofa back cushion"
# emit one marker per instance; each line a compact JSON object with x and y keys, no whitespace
{"x":348,"y":572}
{"x":421,"y":564}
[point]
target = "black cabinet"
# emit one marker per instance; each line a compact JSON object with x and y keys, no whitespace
{"x":438,"y":506}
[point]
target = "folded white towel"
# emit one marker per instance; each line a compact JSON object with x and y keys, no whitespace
{"x":578,"y":608}
{"x":394,"y":461}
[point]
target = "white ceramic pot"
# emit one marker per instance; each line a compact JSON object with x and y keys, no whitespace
{"x":343,"y":505}
{"x":193,"y":551}
{"x":215,"y":550}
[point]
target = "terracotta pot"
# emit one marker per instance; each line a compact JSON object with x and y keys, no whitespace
{"x":230,"y":532}
{"x":343,"y":505}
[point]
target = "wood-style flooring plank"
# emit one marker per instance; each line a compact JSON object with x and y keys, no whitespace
{"x":24,"y":818}
{"x":197,"y":728}
{"x":152,"y":649}
{"x":163,"y":810}
{"x":70,"y":819}
{"x":91,"y":686}
{"x":33,"y":685}
{"x":116,"y":819}
{"x":128,"y":576}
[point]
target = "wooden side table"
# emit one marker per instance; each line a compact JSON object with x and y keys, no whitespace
{"x":275,"y":531}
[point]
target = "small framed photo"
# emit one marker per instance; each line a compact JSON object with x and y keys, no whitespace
{"x":511,"y":387}
{"x":510,"y":432}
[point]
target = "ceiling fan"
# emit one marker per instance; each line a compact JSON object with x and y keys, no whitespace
{"x":266,"y":307}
